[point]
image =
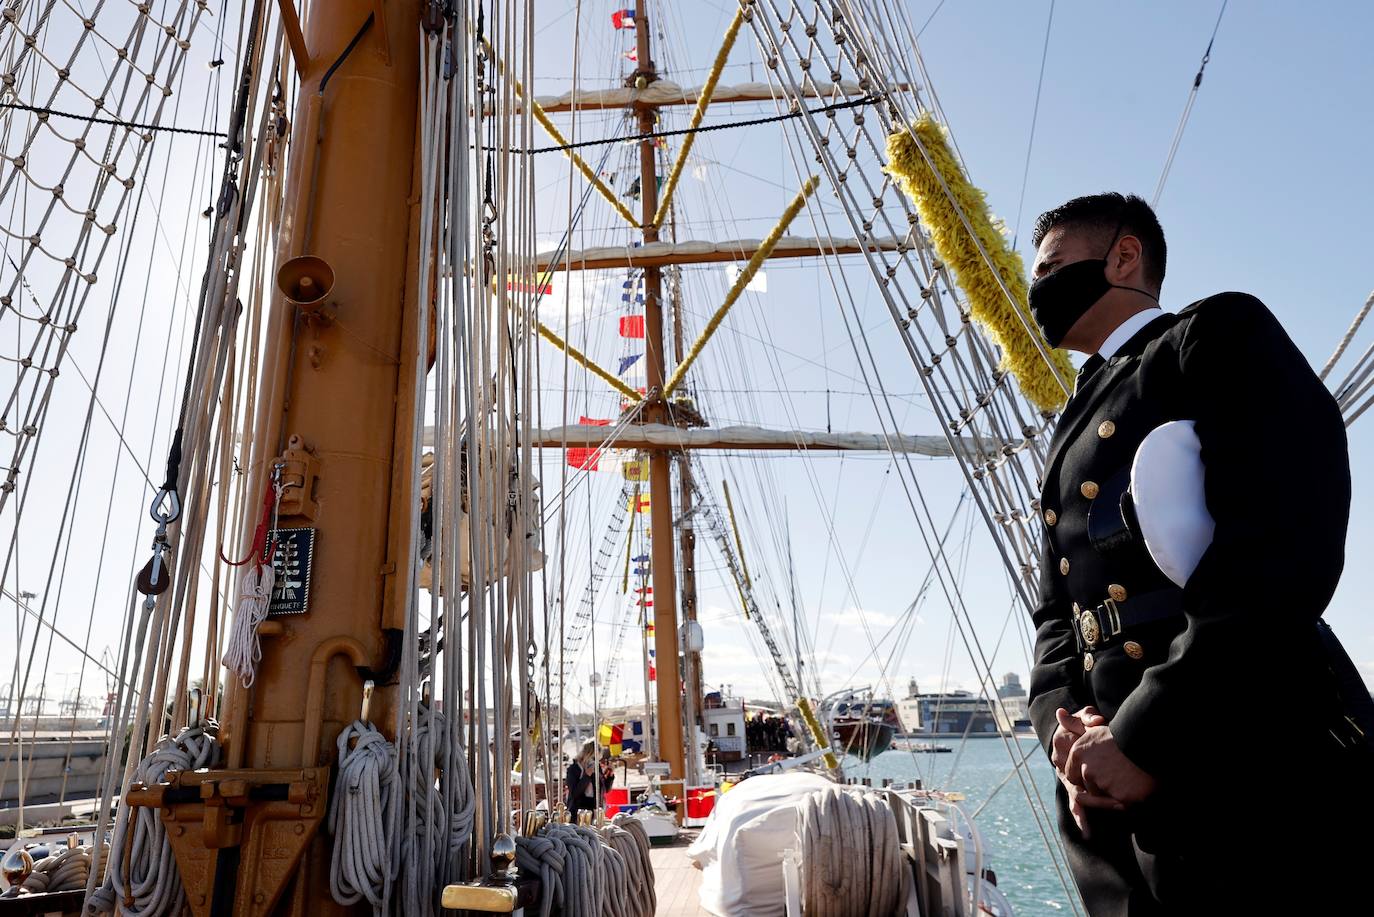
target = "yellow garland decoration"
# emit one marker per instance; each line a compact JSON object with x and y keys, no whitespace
{"x":956,"y":248}
{"x":708,"y":89}
{"x":552,"y":130}
{"x":586,"y":362}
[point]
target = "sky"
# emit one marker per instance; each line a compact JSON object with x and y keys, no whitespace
{"x":1269,"y":193}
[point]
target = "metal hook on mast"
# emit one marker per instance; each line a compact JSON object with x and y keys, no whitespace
{"x":172,"y":500}
{"x":367,"y":700}
{"x":195,"y":708}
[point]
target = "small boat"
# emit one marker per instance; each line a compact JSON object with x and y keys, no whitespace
{"x":928,"y":748}
{"x":860,"y":725}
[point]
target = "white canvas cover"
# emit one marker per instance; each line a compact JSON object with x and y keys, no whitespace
{"x":740,"y":849}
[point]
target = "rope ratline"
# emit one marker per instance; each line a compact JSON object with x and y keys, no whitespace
{"x":873,"y":99}
{"x":44,"y":112}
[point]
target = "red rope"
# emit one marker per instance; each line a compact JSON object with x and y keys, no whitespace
{"x":259,"y":534}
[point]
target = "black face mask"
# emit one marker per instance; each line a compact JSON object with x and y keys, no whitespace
{"x":1059,"y":300}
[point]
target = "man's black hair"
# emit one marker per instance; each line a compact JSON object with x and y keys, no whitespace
{"x":1102,"y":214}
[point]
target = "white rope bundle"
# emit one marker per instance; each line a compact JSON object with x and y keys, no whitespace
{"x":629,"y":838}
{"x":851,"y":863}
{"x":431,"y":836}
{"x":244,"y":650}
{"x":584,"y":872}
{"x":62,"y":872}
{"x":362,"y":818}
{"x":544,"y":856}
{"x":614,"y":886}
{"x":143,"y":877}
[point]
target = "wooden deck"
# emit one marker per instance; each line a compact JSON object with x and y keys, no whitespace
{"x":676,"y":881}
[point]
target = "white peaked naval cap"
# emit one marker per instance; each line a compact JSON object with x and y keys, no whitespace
{"x":1170,"y":502}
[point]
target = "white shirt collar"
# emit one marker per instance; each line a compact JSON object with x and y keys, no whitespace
{"x":1126,"y":330}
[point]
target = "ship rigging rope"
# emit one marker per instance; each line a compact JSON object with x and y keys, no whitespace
{"x":73,"y":493}
{"x":363,"y":813}
{"x":438,"y":813}
{"x":1035,"y":118}
{"x":951,"y":590}
{"x":1347,"y":338}
{"x":730,"y":369}
{"x":159,"y":621}
{"x":707,"y":90}
{"x":930,"y":290}
{"x":872,"y":99}
{"x":1358,"y":384}
{"x":987,"y":676}
{"x":1187,"y":110}
{"x":545,"y":122}
{"x":74,"y":286}
{"x":738,"y":365}
{"x":44,"y":112}
{"x":906,"y":323}
{"x":742,"y":280}
{"x":142,"y":877}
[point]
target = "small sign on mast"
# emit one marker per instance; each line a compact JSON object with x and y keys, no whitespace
{"x":291,"y":563}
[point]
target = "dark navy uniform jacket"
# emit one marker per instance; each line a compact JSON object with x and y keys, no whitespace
{"x":1189,"y":694}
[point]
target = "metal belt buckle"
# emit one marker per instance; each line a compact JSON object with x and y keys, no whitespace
{"x":1088,"y":627}
{"x":1111,"y":618}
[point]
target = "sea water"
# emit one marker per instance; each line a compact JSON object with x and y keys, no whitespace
{"x":1013,"y":846}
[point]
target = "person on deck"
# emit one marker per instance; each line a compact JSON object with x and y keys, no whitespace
{"x":584,"y":794}
{"x":1157,"y":700}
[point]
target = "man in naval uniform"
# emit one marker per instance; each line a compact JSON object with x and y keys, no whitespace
{"x":1204,"y":762}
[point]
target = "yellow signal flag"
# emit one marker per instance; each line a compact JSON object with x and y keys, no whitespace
{"x":635,"y":469}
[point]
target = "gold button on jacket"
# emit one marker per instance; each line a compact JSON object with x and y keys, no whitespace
{"x":1089,"y":490}
{"x":1133,"y":649}
{"x":1105,"y":429}
{"x":1051,"y":517}
{"x":1117,"y":592}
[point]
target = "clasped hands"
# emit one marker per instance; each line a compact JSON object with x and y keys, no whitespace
{"x":1096,"y":774}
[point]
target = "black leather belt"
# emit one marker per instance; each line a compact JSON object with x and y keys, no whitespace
{"x":1094,"y":628}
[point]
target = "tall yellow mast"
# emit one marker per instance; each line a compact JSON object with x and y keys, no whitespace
{"x":334,"y":422}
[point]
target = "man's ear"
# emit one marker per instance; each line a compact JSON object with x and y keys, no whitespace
{"x":1123,"y":264}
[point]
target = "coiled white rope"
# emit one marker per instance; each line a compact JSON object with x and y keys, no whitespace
{"x":432,"y":837}
{"x":244,"y":650}
{"x":62,"y":872}
{"x":142,"y":875}
{"x":629,"y":838}
{"x":362,"y":818}
{"x":852,"y":862}
{"x":585,"y":872}
{"x":544,"y":856}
